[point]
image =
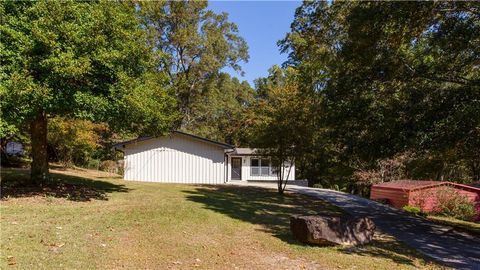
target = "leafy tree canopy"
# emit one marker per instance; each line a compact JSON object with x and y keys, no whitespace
{"x":391,"y":77}
{"x":219,"y":113}
{"x":283,"y":125}
{"x":78,"y":59}
{"x":197,"y":43}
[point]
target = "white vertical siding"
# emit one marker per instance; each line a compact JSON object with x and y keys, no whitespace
{"x":175,"y":159}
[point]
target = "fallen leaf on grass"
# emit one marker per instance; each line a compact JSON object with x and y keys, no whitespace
{"x":11,"y":260}
{"x":55,"y":247}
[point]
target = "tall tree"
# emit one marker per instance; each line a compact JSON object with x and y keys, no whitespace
{"x":391,"y":76}
{"x":283,"y":125}
{"x":82,"y":60}
{"x":197,"y":43}
{"x":219,"y":113}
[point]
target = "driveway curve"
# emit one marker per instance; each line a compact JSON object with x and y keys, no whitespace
{"x":439,"y":242}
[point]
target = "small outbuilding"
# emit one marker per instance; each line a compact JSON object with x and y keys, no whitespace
{"x":421,"y":193}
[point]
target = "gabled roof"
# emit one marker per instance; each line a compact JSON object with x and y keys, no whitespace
{"x":409,"y":185}
{"x":244,"y":151}
{"x":144,"y":138}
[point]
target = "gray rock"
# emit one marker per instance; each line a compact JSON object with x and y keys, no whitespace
{"x":332,"y":230}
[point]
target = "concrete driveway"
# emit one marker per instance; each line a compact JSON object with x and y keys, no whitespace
{"x":439,"y":242}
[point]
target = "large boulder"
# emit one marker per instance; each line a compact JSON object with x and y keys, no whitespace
{"x":332,"y":230}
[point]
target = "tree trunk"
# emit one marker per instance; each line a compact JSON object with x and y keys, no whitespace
{"x":38,"y":133}
{"x":280,"y":178}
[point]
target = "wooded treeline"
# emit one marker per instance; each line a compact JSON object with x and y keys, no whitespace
{"x":371,"y":91}
{"x":392,"y":90}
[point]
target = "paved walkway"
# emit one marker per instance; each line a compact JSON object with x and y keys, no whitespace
{"x":442,"y":243}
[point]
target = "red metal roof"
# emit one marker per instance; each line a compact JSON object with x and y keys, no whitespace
{"x":409,"y":185}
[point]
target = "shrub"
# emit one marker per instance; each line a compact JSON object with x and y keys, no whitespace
{"x":120,"y":167}
{"x":386,"y":170}
{"x":108,"y":166}
{"x":73,"y":141}
{"x":93,"y":164}
{"x":453,"y":204}
{"x":414,"y":210}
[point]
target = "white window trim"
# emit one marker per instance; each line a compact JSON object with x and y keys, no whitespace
{"x":259,"y":168}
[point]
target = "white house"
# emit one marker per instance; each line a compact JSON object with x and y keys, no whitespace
{"x":248,"y":164}
{"x":185,"y":158}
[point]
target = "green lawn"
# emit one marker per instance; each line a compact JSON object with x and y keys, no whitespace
{"x":96,"y":220}
{"x":461,"y":225}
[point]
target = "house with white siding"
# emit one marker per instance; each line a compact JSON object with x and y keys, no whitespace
{"x":185,"y":158}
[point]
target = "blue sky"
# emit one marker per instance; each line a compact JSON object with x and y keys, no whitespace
{"x":261,"y":24}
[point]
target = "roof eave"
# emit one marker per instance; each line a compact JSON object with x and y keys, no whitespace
{"x":140,"y":139}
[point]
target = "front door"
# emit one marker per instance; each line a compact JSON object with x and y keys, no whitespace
{"x":236,"y":168}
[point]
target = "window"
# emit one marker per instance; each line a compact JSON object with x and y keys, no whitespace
{"x":265,"y":165}
{"x":255,"y":166}
{"x":260,"y":167}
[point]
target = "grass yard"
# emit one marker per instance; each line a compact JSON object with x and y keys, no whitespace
{"x":460,"y":225}
{"x":96,"y":220}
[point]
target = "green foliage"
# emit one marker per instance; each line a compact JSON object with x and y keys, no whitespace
{"x":73,"y":141}
{"x":283,"y":121}
{"x":81,"y":59}
{"x":390,"y":77}
{"x":219,"y":113}
{"x":450,"y":203}
{"x":414,"y":210}
{"x":86,"y":60}
{"x":196,"y":44}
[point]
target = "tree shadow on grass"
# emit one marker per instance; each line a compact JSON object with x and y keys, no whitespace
{"x":73,"y":188}
{"x":385,"y":246}
{"x":272,"y":211}
{"x":260,"y":206}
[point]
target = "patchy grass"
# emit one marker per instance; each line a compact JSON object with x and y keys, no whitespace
{"x":156,"y":226}
{"x":461,"y":225}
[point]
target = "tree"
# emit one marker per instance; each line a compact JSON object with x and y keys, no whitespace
{"x":85,"y":60}
{"x":219,"y":113}
{"x":197,"y":44}
{"x":283,"y":125}
{"x":74,"y":141}
{"x":390,"y":77}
